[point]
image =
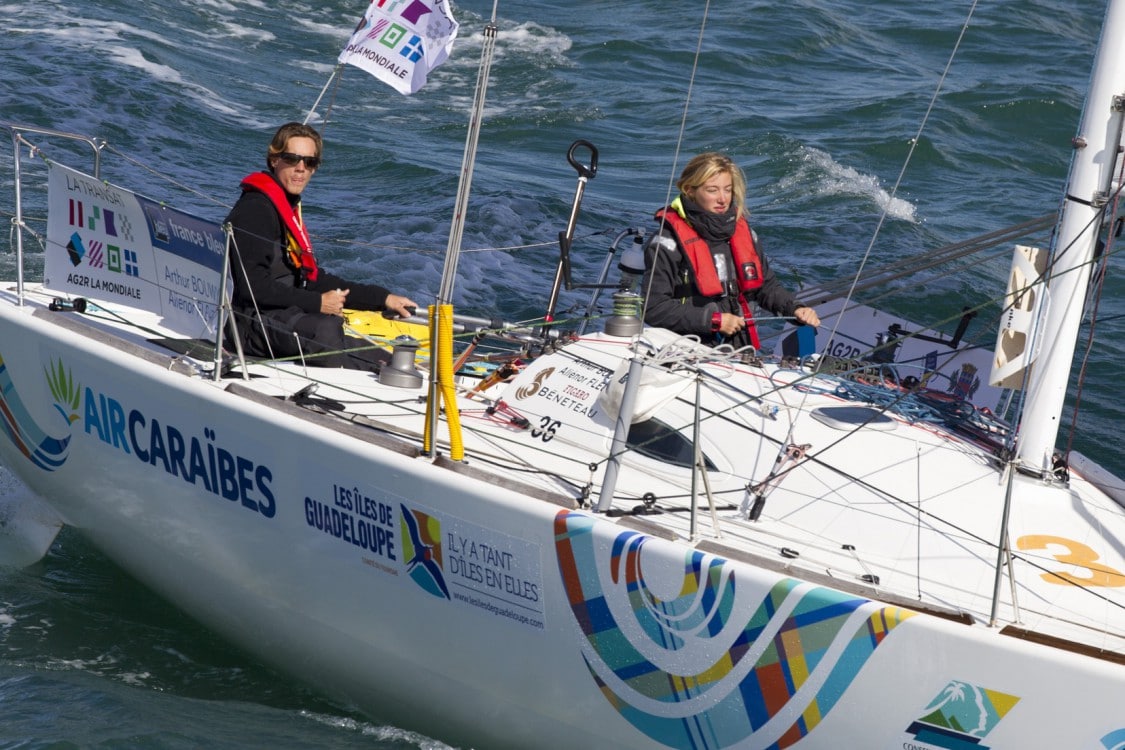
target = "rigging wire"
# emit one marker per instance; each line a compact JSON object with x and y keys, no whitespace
{"x":680,"y":137}
{"x":902,"y":171}
{"x":910,"y":154}
{"x":894,"y":404}
{"x":911,"y":265}
{"x":898,"y":181}
{"x":912,"y":508}
{"x":1049,"y":273}
{"x":165,"y":177}
{"x":886,"y":208}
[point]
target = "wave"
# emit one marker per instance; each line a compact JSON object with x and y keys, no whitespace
{"x":116,"y":48}
{"x":529,"y":41}
{"x":818,"y":172}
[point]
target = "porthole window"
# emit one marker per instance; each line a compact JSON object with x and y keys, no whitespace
{"x":657,"y":440}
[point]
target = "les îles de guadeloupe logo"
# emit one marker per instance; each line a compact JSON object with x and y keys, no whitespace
{"x":421,"y":540}
{"x":961,"y":716}
{"x":37,"y":444}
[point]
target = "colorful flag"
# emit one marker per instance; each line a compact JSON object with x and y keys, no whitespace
{"x":401,"y":41}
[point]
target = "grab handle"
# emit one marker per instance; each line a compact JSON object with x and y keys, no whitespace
{"x":589,"y":172}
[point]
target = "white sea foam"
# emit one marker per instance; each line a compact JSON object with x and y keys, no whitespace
{"x":542,"y":43}
{"x":826,"y":176}
{"x":96,"y":665}
{"x":227,"y":6}
{"x":137,"y":679}
{"x":113,"y":42}
{"x":225,"y":15}
{"x":328,"y":29}
{"x":204,"y":96}
{"x":379,"y":732}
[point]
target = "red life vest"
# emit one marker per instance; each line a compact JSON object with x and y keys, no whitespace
{"x":299,"y":246}
{"x":747,"y":262}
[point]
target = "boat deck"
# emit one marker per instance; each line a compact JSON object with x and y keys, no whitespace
{"x":846,"y":494}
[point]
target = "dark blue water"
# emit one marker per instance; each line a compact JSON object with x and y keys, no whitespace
{"x":819,"y":101}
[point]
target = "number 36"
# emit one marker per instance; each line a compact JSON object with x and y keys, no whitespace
{"x":546,"y":429}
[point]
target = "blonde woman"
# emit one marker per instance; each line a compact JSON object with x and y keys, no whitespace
{"x":704,"y":268}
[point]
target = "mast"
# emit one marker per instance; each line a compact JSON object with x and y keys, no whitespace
{"x":1088,"y":190}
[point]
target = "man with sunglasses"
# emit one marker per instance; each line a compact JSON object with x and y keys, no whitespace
{"x":284,"y":304}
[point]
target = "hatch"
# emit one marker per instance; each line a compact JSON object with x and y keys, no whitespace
{"x":851,"y":417}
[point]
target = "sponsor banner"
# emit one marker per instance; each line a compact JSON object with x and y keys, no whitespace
{"x":446,"y":556}
{"x":903,"y":349}
{"x":109,"y":244}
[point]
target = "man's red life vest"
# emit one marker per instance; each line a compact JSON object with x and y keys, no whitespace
{"x":299,"y":246}
{"x":747,"y":262}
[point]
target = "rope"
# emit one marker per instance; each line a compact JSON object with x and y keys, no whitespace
{"x":156,"y":173}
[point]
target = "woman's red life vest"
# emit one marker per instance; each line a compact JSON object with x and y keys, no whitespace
{"x":299,"y":246}
{"x":747,"y":263}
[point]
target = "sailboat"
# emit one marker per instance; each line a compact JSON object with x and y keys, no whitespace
{"x":608,"y":538}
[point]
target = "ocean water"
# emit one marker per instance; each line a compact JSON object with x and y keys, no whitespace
{"x":822,"y":103}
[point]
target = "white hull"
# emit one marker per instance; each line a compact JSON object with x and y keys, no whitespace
{"x":761,"y":652}
{"x":775,"y":557}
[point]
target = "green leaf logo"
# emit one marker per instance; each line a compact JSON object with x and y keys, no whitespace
{"x":64,"y":389}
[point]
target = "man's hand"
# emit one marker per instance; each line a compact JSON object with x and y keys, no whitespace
{"x":332,"y":302}
{"x":807,"y":315}
{"x":403,"y":306}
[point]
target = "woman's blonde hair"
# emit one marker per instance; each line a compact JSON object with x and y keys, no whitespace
{"x":705,"y":166}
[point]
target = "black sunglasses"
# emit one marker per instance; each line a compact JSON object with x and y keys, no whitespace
{"x":312,"y":162}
